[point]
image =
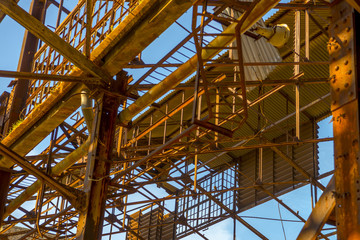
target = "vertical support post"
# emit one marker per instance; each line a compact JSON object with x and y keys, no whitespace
{"x":5,"y":175}
{"x":307,"y":35}
{"x":89,"y":12}
{"x":28,"y":51}
{"x":98,"y":167}
{"x":344,"y":71}
{"x":297,"y":46}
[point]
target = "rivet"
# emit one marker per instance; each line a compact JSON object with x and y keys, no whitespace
{"x":346,"y":62}
{"x":337,"y":68}
{"x":345,"y":41}
{"x":348,"y":29}
{"x":351,"y":94}
{"x":333,"y":102}
{"x":338,"y":89}
{"x":349,"y":72}
{"x":346,"y":85}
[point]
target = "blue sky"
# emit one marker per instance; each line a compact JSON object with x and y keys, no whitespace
{"x":10,"y":46}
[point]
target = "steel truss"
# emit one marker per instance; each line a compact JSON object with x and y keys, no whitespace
{"x":221,"y":123}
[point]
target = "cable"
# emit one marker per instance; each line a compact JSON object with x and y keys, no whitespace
{"x":282,"y":224}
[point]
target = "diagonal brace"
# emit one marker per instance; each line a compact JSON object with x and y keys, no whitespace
{"x":319,"y":214}
{"x":28,"y":167}
{"x":52,"y":39}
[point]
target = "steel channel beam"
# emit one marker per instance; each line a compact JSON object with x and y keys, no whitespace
{"x":44,"y":119}
{"x":189,"y":67}
{"x":57,"y":107}
{"x":5,"y":175}
{"x":344,"y":69}
{"x":65,"y":164}
{"x":50,"y":77}
{"x":98,"y":168}
{"x":28,"y":50}
{"x":52,"y":39}
{"x":31,"y":169}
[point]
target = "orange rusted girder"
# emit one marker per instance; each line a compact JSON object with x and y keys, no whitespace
{"x":345,"y":111}
{"x":189,"y":67}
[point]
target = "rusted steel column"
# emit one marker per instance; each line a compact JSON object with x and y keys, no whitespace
{"x":28,"y":50}
{"x":344,"y":50}
{"x":5,"y":175}
{"x":98,"y":167}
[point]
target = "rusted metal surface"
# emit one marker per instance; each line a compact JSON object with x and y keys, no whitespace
{"x":319,"y":214}
{"x":345,"y":109}
{"x":5,"y":175}
{"x":98,"y":168}
{"x":160,"y":148}
{"x":28,"y":51}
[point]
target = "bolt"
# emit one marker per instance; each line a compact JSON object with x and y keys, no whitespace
{"x":349,"y":72}
{"x":346,"y":85}
{"x":337,"y":68}
{"x":348,"y":29}
{"x":346,"y":62}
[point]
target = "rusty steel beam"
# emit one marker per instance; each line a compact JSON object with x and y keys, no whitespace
{"x":250,"y":83}
{"x":297,"y":167}
{"x":355,"y":4}
{"x":65,"y":164}
{"x":29,"y":48}
{"x":189,"y":67}
{"x":344,"y":69}
{"x":52,"y":39}
{"x":98,"y":168}
{"x":150,"y":18}
{"x":31,"y":169}
{"x":231,"y":213}
{"x":5,"y":175}
{"x":50,"y":77}
{"x":319,"y":214}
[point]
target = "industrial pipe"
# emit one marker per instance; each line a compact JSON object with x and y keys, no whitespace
{"x":87,"y":109}
{"x":189,"y":67}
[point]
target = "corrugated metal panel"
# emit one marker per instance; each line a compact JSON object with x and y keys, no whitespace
{"x":201,"y":212}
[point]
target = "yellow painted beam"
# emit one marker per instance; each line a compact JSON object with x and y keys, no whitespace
{"x":189,"y":67}
{"x":52,"y":39}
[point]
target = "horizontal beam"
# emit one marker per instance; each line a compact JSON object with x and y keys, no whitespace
{"x":31,"y":169}
{"x":236,"y":147}
{"x":233,"y":63}
{"x":52,"y":39}
{"x":186,"y":69}
{"x":50,"y":77}
{"x":60,"y":167}
{"x":249,"y":83}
